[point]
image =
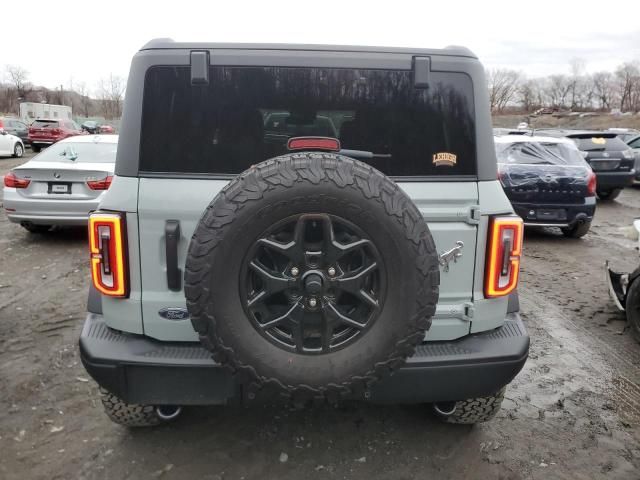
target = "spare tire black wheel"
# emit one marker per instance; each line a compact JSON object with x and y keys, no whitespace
{"x":312,"y":273}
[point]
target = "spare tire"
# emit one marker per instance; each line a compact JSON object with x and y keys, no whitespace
{"x":312,"y":273}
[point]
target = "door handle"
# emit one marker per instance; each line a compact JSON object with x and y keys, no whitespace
{"x":172,"y":237}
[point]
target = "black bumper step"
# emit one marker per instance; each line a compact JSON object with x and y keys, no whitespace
{"x":142,"y":370}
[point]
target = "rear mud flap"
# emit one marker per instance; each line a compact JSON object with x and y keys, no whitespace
{"x":617,"y":283}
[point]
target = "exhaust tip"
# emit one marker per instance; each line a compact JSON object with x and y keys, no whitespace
{"x":445,"y":409}
{"x":168,"y":412}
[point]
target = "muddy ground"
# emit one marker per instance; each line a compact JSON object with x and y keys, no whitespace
{"x":574,"y":412}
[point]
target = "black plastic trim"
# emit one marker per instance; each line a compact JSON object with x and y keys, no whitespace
{"x":142,"y":370}
{"x":229,"y":177}
{"x":172,"y":238}
{"x":94,"y":302}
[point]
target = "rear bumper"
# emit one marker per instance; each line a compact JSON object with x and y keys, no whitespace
{"x":142,"y":370}
{"x":47,"y":211}
{"x":571,"y":213}
{"x":610,"y":180}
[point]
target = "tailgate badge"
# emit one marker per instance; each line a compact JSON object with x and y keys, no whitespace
{"x":174,"y":313}
{"x":454,"y":254}
{"x":56,"y":175}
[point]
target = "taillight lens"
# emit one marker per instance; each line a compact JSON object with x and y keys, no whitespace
{"x":314,"y":143}
{"x":108,"y":256}
{"x":591,"y":185}
{"x":503,"y":256}
{"x":11,"y":180}
{"x":55,"y":132}
{"x":102,"y":184}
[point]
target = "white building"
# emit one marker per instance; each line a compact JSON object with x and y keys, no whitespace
{"x":29,"y":111}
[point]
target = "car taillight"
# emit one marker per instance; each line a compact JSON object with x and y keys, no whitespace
{"x":102,"y":184}
{"x":55,"y":132}
{"x":591,"y":185}
{"x":503,"y":256}
{"x":11,"y":180}
{"x":107,"y":241}
{"x":314,"y":143}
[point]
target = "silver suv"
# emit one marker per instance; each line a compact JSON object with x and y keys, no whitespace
{"x":303,"y":224}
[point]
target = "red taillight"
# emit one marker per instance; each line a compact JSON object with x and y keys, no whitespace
{"x":591,"y":185}
{"x":107,"y":243}
{"x":11,"y":180}
{"x":314,"y":143}
{"x":55,"y":132}
{"x":503,"y":256}
{"x":102,"y":184}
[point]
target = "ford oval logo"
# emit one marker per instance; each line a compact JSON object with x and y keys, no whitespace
{"x":174,"y":313}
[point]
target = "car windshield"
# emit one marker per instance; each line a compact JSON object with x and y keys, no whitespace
{"x":539,"y":153}
{"x":90,"y":123}
{"x":600,"y":144}
{"x":84,"y":152}
{"x":44,"y":124}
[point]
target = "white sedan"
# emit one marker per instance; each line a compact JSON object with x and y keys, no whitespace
{"x":62,"y":184}
{"x":10,"y":145}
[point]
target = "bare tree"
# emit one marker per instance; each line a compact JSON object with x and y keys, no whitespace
{"x":85,"y":101}
{"x":503,"y":86}
{"x":557,"y":90}
{"x":576,"y":81}
{"x":530,"y":92}
{"x":628,"y":79}
{"x":110,"y":94}
{"x":18,"y":78}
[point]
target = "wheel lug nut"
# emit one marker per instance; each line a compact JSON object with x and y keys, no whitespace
{"x":313,"y":302}
{"x":295,"y":271}
{"x":331,"y":271}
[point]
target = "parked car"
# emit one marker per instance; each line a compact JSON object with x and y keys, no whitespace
{"x":44,"y":132}
{"x":107,"y":129}
{"x":499,"y":131}
{"x":90,"y":126}
{"x":610,"y":158}
{"x":304,"y":271}
{"x":17,"y":127}
{"x":548,"y":182}
{"x":624,"y":134}
{"x":61,"y":185}
{"x":634,"y":144}
{"x":10,"y":145}
{"x":624,"y":288}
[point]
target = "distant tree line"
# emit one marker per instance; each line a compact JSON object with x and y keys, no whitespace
{"x":577,"y":91}
{"x":105,"y":100}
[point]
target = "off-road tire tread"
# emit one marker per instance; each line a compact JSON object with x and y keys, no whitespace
{"x":281,"y":173}
{"x":127,"y":414}
{"x":477,"y":410}
{"x":577,"y":231}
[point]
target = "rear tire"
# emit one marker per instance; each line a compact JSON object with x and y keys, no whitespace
{"x":18,"y":150}
{"x":632,"y":308}
{"x":476,"y":410}
{"x":36,"y":148}
{"x":127,"y":414}
{"x":31,"y":228}
{"x":608,"y":195}
{"x":577,"y":231}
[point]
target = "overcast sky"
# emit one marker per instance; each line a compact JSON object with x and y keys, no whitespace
{"x":83,"y":41}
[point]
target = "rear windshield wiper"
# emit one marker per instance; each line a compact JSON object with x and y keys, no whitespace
{"x":363,"y":154}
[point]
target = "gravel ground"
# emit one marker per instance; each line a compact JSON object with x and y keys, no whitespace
{"x":574,"y":411}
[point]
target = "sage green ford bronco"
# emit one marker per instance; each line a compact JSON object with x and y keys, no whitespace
{"x":304,"y":224}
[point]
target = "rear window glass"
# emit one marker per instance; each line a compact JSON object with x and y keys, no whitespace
{"x":44,"y":124}
{"x":542,"y":153}
{"x":595,"y":144}
{"x":247,"y":114}
{"x":80,"y":153}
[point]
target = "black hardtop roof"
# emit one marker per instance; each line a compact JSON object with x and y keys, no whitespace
{"x":169,"y":44}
